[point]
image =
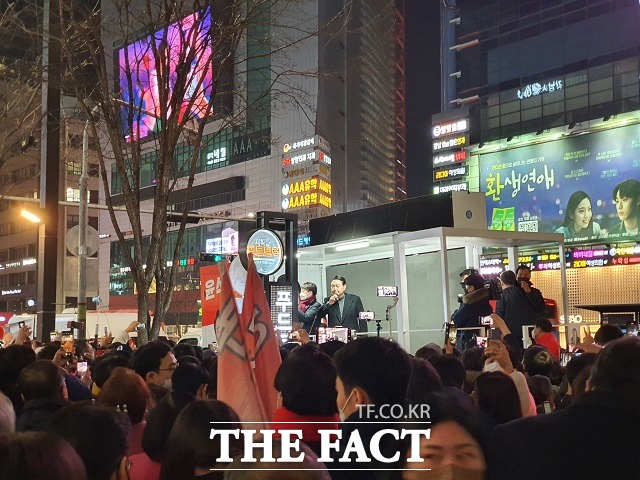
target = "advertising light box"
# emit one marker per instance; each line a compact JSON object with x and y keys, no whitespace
{"x":138,"y":73}
{"x":586,"y":187}
{"x":310,"y":192}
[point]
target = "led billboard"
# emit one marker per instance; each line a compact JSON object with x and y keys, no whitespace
{"x":586,"y":187}
{"x":142,"y":75}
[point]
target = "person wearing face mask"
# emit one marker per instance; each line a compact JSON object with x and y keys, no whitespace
{"x":308,"y":307}
{"x":475,"y":304}
{"x":456,"y":448}
{"x":373,"y":377}
{"x":155,"y":363}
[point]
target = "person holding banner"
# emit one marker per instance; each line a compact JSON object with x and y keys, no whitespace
{"x":626,"y":197}
{"x":578,"y":218}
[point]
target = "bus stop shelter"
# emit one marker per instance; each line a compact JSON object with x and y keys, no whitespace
{"x":399,"y":245}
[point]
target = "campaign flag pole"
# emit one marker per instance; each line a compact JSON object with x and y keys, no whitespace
{"x":236,"y":381}
{"x":262,"y":342}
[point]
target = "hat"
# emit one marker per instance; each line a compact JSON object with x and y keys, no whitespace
{"x":475,"y":280}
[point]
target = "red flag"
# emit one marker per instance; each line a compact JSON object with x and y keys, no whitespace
{"x":262,"y":343}
{"x":236,"y":380}
{"x":210,"y":293}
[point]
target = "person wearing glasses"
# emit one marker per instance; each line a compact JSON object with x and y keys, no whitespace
{"x":155,"y":363}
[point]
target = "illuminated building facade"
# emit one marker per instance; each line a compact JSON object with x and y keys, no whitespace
{"x":551,"y":93}
{"x":337,"y":143}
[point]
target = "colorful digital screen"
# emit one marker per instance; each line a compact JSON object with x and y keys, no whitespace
{"x":141,"y":66}
{"x":586,"y":187}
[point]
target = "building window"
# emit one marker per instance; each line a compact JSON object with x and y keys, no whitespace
{"x":73,"y":195}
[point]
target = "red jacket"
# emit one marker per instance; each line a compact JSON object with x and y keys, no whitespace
{"x":549,"y":341}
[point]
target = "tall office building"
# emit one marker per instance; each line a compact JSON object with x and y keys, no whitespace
{"x":325,"y":133}
{"x":541,"y":112}
{"x":20,"y":171}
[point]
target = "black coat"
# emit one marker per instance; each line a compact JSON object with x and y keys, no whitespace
{"x":352,"y":307}
{"x":589,"y":440}
{"x":519,"y":308}
{"x":36,"y":413}
{"x":308,"y":317}
{"x":474,"y":305}
{"x":374,"y":470}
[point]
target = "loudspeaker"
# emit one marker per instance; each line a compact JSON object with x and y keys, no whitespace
{"x":469,"y":210}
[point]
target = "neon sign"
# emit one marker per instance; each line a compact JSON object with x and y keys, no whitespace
{"x":454,"y":187}
{"x":535,"y":89}
{"x":454,"y":157}
{"x":449,"y":173}
{"x":307,"y":142}
{"x":454,"y":142}
{"x":448,"y":128}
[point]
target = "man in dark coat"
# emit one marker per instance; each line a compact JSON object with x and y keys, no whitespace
{"x":553,"y":445}
{"x":43,"y":388}
{"x":519,"y":305}
{"x":341,"y":308}
{"x":475,"y":304}
{"x":373,"y":374}
{"x":308,"y":307}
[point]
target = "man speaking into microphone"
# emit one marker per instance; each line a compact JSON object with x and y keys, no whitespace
{"x":342,"y":309}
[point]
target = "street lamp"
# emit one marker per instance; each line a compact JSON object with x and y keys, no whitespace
{"x":83,"y":220}
{"x":30,"y":216}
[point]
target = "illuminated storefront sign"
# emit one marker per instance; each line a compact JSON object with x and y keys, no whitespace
{"x":323,"y":157}
{"x":306,"y":200}
{"x":311,"y":192}
{"x":449,"y":173}
{"x":447,"y":158}
{"x":454,"y":142}
{"x":298,"y":159}
{"x":225,"y":244}
{"x":28,"y":261}
{"x":266,"y":247}
{"x":449,"y":128}
{"x":12,"y":291}
{"x":597,"y":257}
{"x":282,"y":304}
{"x":307,"y":142}
{"x":218,"y":155}
{"x":535,"y":89}
{"x":306,"y":170}
{"x":454,"y":187}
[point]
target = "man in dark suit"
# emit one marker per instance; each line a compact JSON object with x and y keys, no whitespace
{"x":603,"y":421}
{"x":341,"y":308}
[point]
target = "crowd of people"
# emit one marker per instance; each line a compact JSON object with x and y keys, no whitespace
{"x":494,"y":412}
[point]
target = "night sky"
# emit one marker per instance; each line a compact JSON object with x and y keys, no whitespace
{"x":422,"y":89}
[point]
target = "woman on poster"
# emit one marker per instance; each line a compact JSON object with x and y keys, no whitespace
{"x":626,"y":197}
{"x":578,"y":218}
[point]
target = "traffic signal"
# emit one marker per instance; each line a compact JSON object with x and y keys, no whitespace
{"x":176,"y":217}
{"x":210,"y":257}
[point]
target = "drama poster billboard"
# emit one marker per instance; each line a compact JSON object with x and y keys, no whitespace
{"x":586,"y":187}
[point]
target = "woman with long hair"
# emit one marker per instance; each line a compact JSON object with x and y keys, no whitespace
{"x":578,"y":218}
